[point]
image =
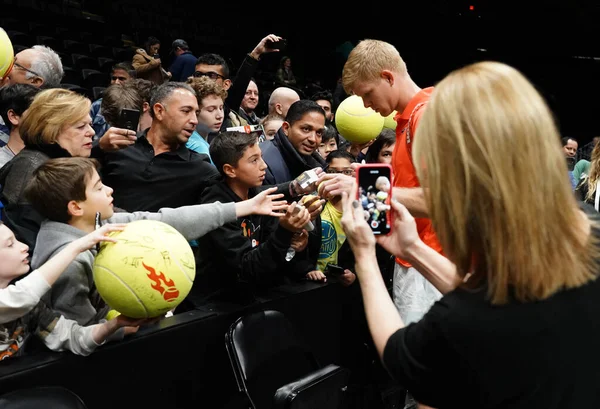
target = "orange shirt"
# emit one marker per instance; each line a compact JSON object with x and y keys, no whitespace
{"x":402,"y":162}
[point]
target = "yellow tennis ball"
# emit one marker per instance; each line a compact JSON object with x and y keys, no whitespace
{"x":356,"y":123}
{"x":112,"y":314}
{"x":7,"y":54}
{"x":389,"y":122}
{"x":147,"y":272}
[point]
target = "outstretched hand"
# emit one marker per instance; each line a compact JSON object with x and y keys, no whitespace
{"x":266,"y":203}
{"x":102,"y":234}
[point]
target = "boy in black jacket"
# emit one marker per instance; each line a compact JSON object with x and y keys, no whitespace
{"x":249,"y":253}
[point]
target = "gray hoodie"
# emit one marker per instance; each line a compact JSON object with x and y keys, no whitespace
{"x":74,"y":295}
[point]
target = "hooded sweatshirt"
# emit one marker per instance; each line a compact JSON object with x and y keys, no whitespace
{"x":74,"y":294}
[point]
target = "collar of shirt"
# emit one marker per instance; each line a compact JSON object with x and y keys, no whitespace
{"x":419,"y":97}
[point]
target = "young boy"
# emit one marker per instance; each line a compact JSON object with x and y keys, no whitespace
{"x":248,"y":251}
{"x":332,"y":233}
{"x":211,"y":101}
{"x":328,"y":141}
{"x":22,"y":313}
{"x":69,"y":192}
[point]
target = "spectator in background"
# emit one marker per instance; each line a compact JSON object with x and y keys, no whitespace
{"x":147,"y":63}
{"x":184,"y":64}
{"x":381,"y":150}
{"x":271,"y":124}
{"x":328,"y":141}
{"x":249,"y":104}
{"x":570,"y":146}
{"x":211,"y":100}
{"x":325,"y":101}
{"x":39,"y":66}
{"x":281,"y":99}
{"x":284,"y":75}
{"x":14,"y":101}
{"x":119,"y":73}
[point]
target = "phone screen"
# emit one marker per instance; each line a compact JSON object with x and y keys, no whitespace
{"x":129,"y":119}
{"x":374,"y":183}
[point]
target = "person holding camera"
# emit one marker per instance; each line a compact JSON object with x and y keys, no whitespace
{"x":147,"y":63}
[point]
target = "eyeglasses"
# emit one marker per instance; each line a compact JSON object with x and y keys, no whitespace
{"x":211,"y":74}
{"x":16,"y":64}
{"x":346,"y":171}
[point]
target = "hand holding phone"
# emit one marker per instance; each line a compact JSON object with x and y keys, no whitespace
{"x":374,"y":182}
{"x":280,"y":45}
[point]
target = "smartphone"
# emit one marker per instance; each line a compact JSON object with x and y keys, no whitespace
{"x":129,"y":119}
{"x":280,"y":45}
{"x":374,"y":182}
{"x":334,"y":270}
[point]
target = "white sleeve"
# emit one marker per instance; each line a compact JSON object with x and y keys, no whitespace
{"x":67,"y":334}
{"x":18,"y":299}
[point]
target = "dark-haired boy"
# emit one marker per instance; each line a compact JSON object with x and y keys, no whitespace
{"x":250,"y":252}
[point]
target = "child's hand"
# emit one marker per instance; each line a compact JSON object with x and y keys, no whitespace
{"x":316,"y":275}
{"x":266,"y":203}
{"x":90,"y":240}
{"x":295,"y":222}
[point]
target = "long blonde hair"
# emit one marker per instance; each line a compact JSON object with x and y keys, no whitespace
{"x":594,"y":173}
{"x":488,"y":153}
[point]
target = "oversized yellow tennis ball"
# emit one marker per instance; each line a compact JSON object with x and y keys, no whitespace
{"x":147,"y":272}
{"x":356,"y":123}
{"x":7,"y":54}
{"x":389,"y":122}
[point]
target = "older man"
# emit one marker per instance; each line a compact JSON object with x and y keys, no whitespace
{"x":39,"y":66}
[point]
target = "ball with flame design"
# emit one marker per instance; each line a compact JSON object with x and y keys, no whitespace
{"x":147,"y":272}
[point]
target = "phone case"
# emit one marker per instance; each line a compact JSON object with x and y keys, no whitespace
{"x":389,"y":215}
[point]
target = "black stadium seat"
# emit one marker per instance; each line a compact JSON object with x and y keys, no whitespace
{"x":94,"y":78}
{"x":75,"y":47}
{"x":97,"y":50}
{"x":78,"y":89}
{"x":72,"y":76}
{"x":106,"y":64}
{"x":98,"y":91}
{"x":84,"y":62}
{"x":17,"y":37}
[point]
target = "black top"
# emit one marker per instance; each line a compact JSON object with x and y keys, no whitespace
{"x":467,"y":353}
{"x":146,"y":182}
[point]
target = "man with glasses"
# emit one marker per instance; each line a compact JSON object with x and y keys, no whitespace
{"x":216,"y":68}
{"x":39,"y":66}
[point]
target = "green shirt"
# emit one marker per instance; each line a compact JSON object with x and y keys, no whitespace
{"x":581,"y":169}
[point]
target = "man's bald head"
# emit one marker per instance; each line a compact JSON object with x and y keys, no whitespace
{"x":281,"y":99}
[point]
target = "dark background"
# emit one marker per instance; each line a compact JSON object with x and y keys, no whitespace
{"x":554,"y":43}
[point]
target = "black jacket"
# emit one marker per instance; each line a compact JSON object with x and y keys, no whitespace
{"x":243,"y":256}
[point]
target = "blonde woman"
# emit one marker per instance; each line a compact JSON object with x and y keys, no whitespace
{"x":587,"y":189}
{"x":57,"y":124}
{"x":517,"y":326}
